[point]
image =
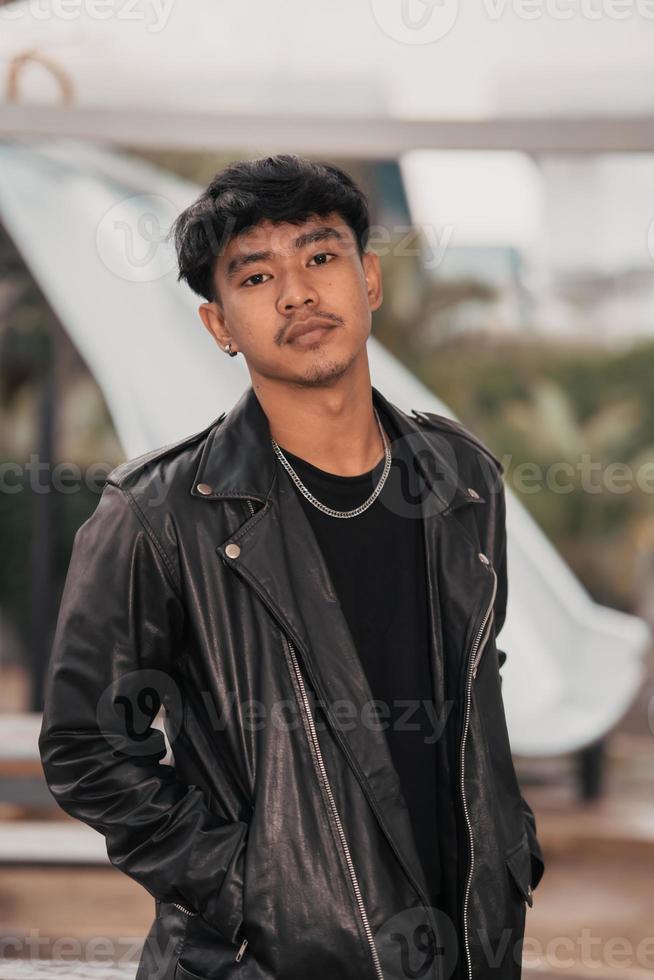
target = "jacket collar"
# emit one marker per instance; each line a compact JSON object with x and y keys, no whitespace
{"x":238,"y":460}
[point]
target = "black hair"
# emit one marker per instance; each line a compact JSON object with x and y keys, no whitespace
{"x":280,"y":188}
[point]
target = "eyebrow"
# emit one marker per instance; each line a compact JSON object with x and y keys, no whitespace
{"x":322,"y":234}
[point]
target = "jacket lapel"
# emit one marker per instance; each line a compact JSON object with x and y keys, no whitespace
{"x":281,"y":560}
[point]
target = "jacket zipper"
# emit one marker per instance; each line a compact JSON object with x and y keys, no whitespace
{"x":475,"y":656}
{"x":322,"y":774}
{"x":242,"y":947}
{"x":481,"y":649}
{"x":185,"y":910}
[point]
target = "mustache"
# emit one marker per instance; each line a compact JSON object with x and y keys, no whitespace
{"x":282,"y":333}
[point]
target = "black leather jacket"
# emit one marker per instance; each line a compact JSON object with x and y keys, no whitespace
{"x":279,"y":845}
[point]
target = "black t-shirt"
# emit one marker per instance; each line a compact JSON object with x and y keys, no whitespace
{"x":377,"y":564}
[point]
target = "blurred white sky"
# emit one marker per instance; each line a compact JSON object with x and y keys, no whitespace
{"x":405,"y":57}
{"x":486,"y":198}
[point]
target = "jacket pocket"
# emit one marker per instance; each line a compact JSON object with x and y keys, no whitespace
{"x":164,"y":943}
{"x":518,"y":862}
{"x":181,"y":973}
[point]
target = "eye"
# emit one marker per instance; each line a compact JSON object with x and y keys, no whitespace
{"x":321,"y":255}
{"x":255,"y":275}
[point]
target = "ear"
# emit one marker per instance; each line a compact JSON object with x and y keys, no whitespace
{"x":213,"y":319}
{"x":373,"y":277}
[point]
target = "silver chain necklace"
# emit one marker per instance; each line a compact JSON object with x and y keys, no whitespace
{"x":330,"y":510}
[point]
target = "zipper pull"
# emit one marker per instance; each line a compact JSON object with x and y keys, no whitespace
{"x":241,"y":951}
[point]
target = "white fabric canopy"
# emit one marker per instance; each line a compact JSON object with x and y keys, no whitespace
{"x":573,"y":666}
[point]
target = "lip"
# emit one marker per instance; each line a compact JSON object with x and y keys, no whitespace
{"x":313,"y":323}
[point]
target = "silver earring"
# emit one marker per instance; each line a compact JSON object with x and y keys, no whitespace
{"x":232,"y":353}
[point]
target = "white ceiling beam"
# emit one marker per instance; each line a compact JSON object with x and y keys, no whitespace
{"x":355,"y":137}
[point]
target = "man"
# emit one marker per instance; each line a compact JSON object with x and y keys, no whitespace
{"x":312,"y":587}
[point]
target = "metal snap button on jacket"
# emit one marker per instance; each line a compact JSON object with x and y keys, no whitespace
{"x":204,"y":489}
{"x":473,"y":493}
{"x":232,"y":551}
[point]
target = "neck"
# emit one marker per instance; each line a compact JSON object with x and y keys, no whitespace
{"x":334,"y":428}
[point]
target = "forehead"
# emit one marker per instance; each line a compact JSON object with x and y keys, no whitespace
{"x":285,"y":237}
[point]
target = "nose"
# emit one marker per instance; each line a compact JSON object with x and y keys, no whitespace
{"x":295,"y":291}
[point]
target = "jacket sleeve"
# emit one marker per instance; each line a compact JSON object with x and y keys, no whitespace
{"x":500,"y":564}
{"x":120,"y":620}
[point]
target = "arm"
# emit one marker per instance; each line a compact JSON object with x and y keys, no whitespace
{"x":500,"y":564}
{"x":120,"y":620}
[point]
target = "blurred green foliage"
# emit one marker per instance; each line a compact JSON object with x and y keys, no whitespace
{"x":34,"y":350}
{"x":581,"y":419}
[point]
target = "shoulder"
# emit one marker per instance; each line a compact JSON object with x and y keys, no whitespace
{"x":147,"y":466}
{"x":460,"y":436}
